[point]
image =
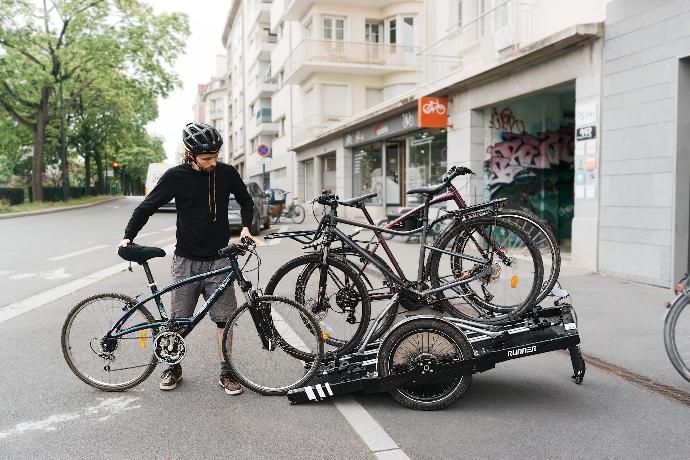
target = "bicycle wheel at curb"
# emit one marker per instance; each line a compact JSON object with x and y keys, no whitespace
{"x":298,"y":214}
{"x":272,"y":372}
{"x":345,"y":312}
{"x":541,"y":233}
{"x":418,"y":342}
{"x":677,"y":336}
{"x":515,"y":271}
{"x":130,"y":362}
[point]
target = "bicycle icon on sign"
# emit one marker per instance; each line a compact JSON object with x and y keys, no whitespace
{"x":434,"y":106}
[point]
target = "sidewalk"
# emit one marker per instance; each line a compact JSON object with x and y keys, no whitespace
{"x":619,"y":321}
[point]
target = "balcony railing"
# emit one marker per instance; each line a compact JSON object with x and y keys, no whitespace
{"x":263,"y":116}
{"x":311,"y":126}
{"x":485,"y":38}
{"x":381,"y":54}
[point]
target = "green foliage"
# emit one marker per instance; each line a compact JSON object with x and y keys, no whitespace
{"x":110,"y":58}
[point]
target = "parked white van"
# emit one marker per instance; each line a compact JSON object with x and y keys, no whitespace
{"x":153,"y":175}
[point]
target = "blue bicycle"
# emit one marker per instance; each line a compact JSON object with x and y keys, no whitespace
{"x":113,"y":343}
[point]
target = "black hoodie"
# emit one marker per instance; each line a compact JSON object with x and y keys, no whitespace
{"x":202,"y":208}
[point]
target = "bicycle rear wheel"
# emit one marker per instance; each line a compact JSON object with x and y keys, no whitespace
{"x":298,"y":214}
{"x":677,"y":336}
{"x":272,"y":372}
{"x":127,"y":362}
{"x":501,"y":264}
{"x":543,"y":237}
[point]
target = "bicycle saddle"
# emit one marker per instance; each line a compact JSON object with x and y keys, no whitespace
{"x":356,"y":200}
{"x":430,"y":190}
{"x":140,"y":254}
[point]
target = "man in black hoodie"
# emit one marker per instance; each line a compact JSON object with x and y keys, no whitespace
{"x":201,"y":188}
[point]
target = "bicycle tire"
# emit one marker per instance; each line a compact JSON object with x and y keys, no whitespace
{"x":297,"y":214}
{"x":314,"y":259}
{"x":315,"y":361}
{"x":434,"y":395}
{"x":67,"y":345}
{"x":505,"y":312}
{"x":679,"y":305}
{"x":541,"y":233}
{"x":275,"y":219}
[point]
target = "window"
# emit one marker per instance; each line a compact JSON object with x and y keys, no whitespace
{"x":333,"y":28}
{"x":407,"y":34}
{"x":308,"y":30}
{"x":367,"y":173}
{"x":252,"y":145}
{"x":373,"y":32}
{"x":392,"y":32}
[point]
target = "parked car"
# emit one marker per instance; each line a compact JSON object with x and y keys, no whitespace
{"x":262,"y":216}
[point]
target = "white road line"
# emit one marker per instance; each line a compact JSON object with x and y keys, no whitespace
{"x":22,"y":306}
{"x":169,"y":229}
{"x":5,"y":272}
{"x":373,"y":434}
{"x":142,"y":235}
{"x":78,"y":253}
{"x":282,"y":228}
{"x":22,"y":276}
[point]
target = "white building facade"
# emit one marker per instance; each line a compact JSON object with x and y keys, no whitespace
{"x":249,"y":44}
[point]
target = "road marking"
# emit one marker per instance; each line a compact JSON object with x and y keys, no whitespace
{"x":169,"y":229}
{"x":107,"y":408}
{"x":5,"y":272}
{"x":373,"y":434}
{"x":143,"y":235}
{"x":78,"y":253}
{"x":22,"y":276}
{"x":22,"y":306}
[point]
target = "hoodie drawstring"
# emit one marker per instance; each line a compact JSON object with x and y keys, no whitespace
{"x":212,"y":194}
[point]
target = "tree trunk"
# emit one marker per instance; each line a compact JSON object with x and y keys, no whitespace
{"x":87,"y":172}
{"x":39,"y":144}
{"x":100,"y":182}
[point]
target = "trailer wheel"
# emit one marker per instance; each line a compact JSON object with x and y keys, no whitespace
{"x":425,"y":340}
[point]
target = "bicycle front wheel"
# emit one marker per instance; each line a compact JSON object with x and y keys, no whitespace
{"x":344,"y":309}
{"x":498,"y":268}
{"x":298,"y":214}
{"x":677,"y":336}
{"x":122,"y":364}
{"x":271,"y":370}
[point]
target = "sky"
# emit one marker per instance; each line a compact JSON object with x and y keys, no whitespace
{"x":196,"y":65}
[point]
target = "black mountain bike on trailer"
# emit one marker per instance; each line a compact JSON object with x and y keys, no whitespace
{"x":112,"y":342}
{"x":492,"y":284}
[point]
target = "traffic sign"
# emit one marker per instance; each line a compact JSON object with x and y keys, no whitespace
{"x":265,"y":160}
{"x":263,"y":150}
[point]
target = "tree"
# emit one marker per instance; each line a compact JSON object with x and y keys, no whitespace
{"x":75,"y":43}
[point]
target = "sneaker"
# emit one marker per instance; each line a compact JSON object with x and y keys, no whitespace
{"x":170,"y":378}
{"x":231,"y":387}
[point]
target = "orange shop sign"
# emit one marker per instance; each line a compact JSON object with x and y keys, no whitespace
{"x":432,"y":112}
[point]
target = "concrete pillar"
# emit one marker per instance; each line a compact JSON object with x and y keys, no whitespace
{"x":318,"y":175}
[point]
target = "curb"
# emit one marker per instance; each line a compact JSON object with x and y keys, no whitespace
{"x":63,"y":208}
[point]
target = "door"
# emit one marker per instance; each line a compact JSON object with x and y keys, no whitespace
{"x":333,"y":36}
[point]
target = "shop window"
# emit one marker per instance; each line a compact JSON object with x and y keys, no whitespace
{"x":328,"y":174}
{"x":367,"y":172}
{"x":309,"y":180}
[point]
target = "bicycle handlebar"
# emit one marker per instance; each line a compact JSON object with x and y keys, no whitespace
{"x":456,"y":171}
{"x":232,"y":249}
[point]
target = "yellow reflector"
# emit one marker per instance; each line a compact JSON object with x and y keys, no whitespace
{"x":325,"y":335}
{"x":142,"y":339}
{"x":514,"y":281}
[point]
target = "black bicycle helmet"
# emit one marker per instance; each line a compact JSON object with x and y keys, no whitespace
{"x":201,"y":138}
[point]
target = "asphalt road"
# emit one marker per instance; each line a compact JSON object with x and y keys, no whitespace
{"x":524,"y":408}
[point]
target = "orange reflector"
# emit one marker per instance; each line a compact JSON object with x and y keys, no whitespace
{"x":514,"y":281}
{"x":324,"y":335}
{"x":142,"y":339}
{"x":679,"y":288}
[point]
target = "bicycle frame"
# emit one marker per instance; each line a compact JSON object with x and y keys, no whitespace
{"x":399,"y":277}
{"x":233,"y":273}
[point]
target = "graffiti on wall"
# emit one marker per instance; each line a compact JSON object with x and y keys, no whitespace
{"x":532,"y":170}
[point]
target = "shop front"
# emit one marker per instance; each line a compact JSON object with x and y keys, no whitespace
{"x":393,"y":155}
